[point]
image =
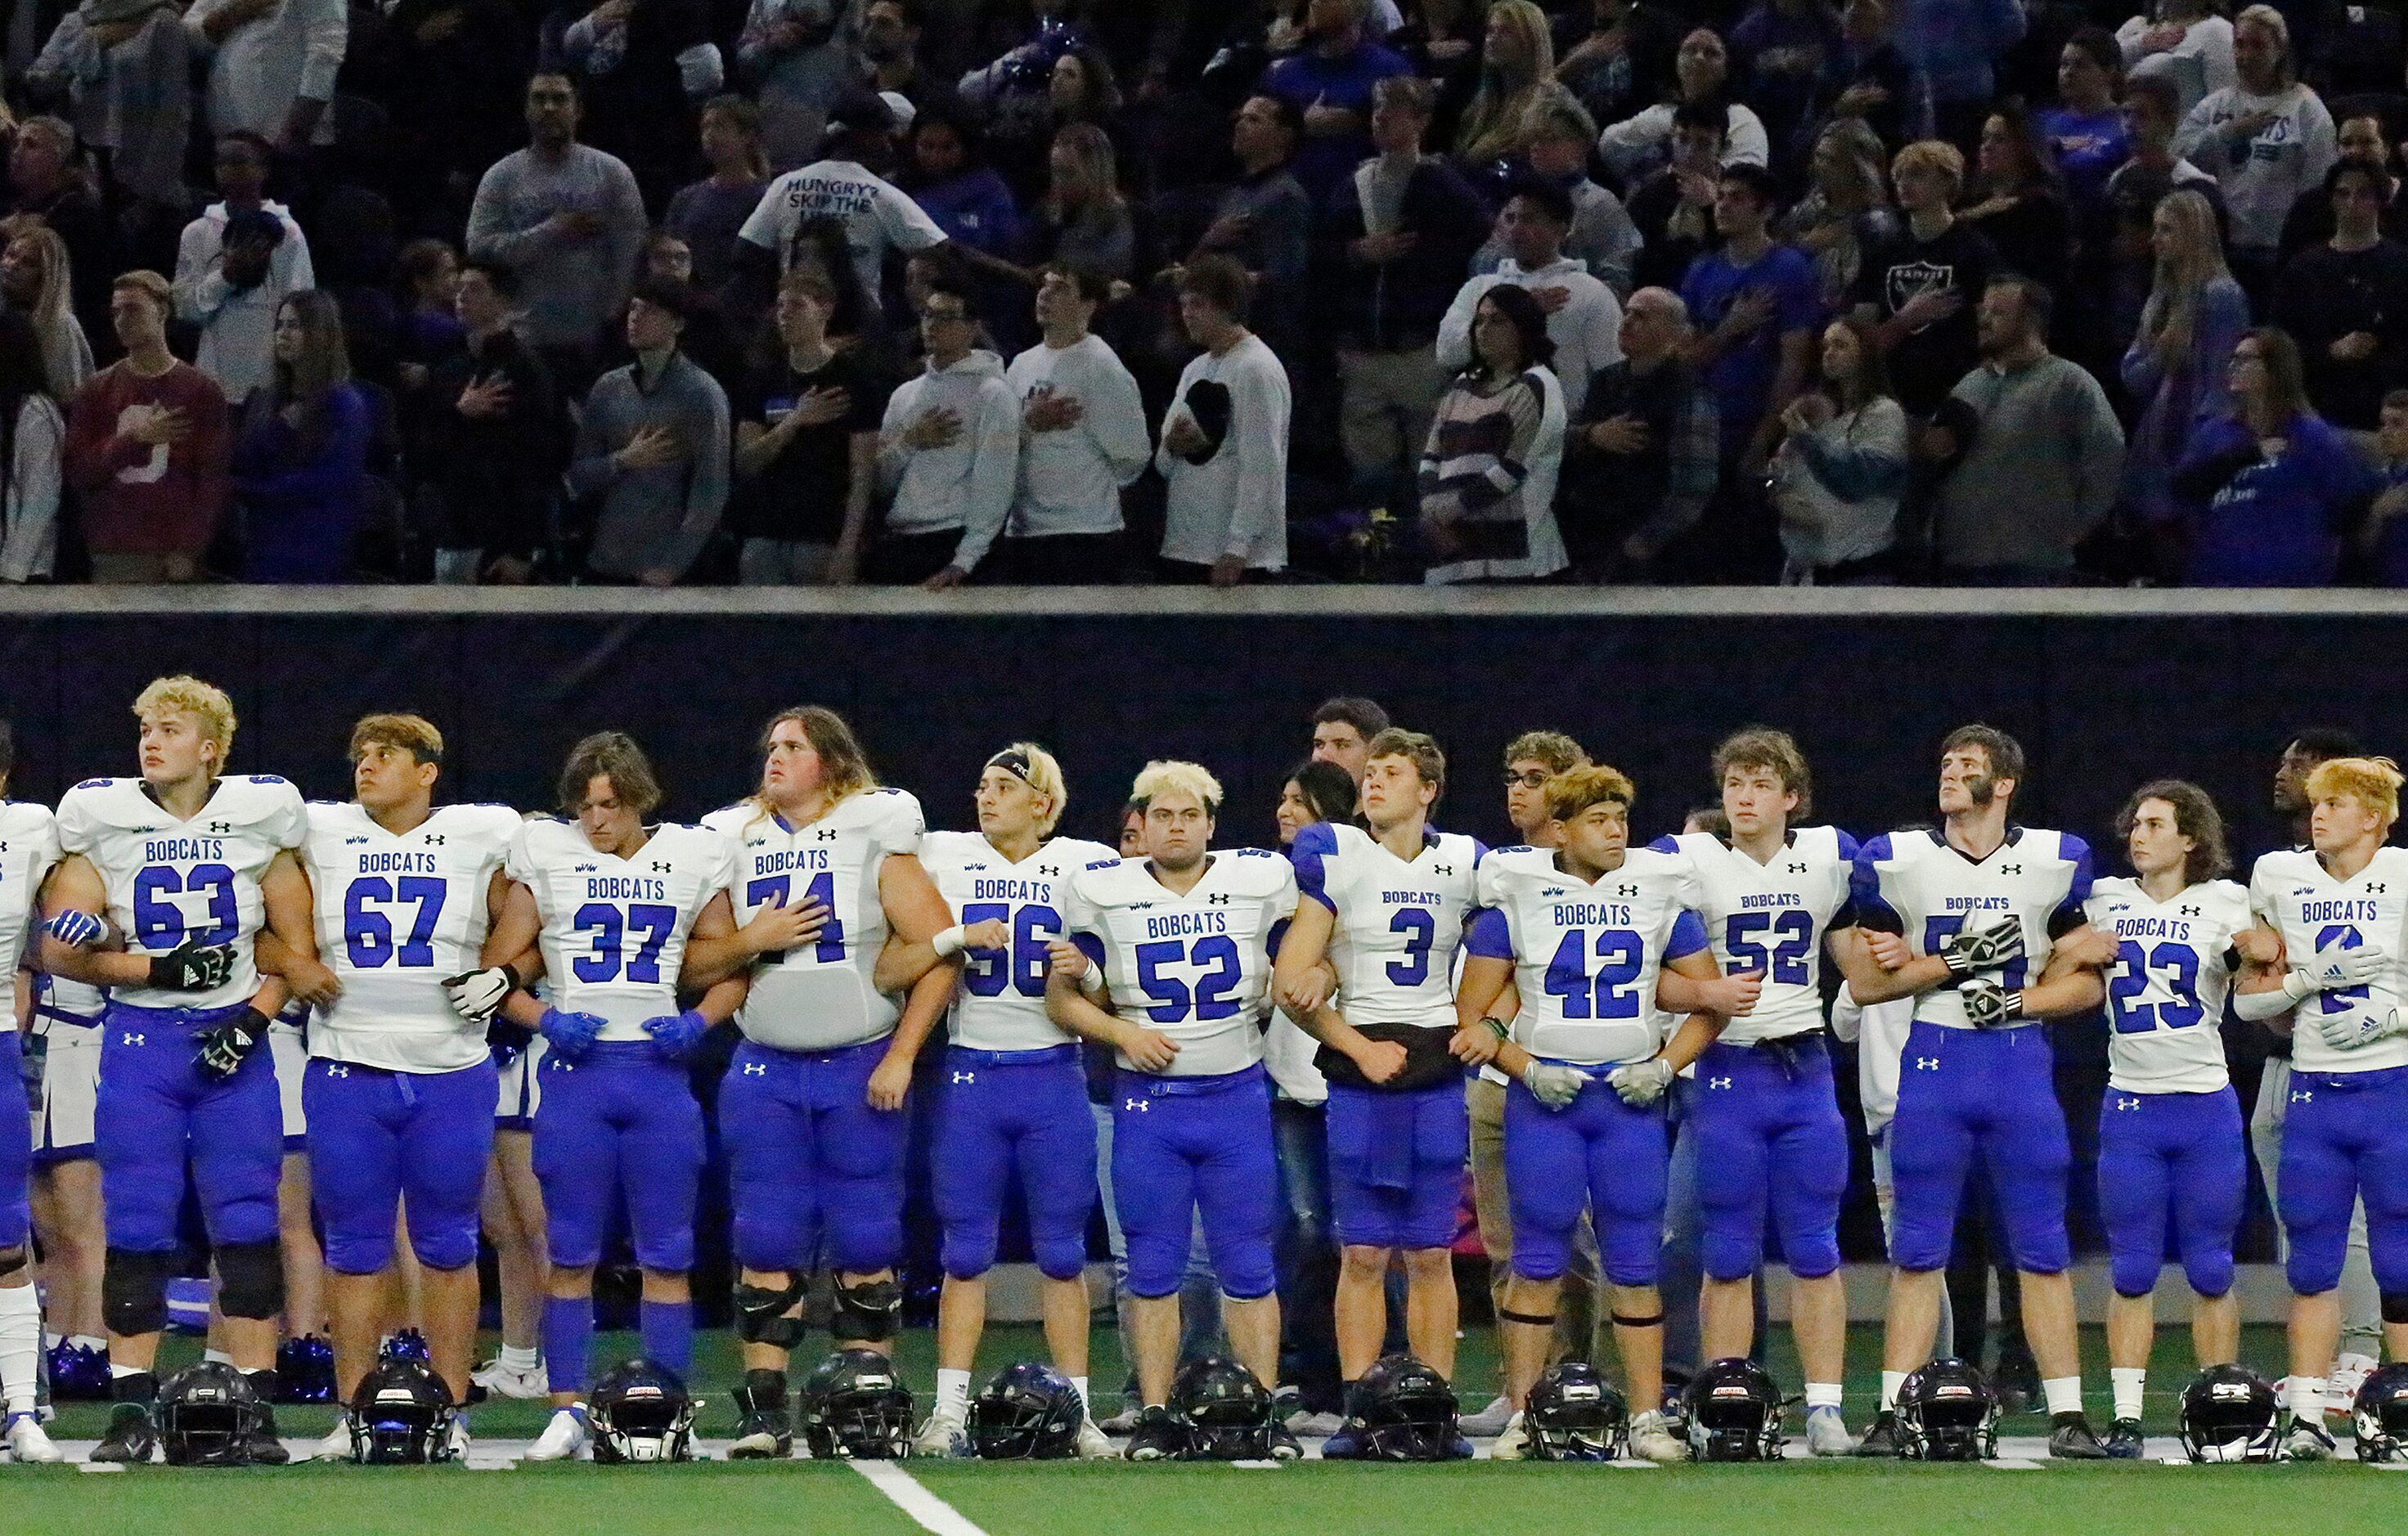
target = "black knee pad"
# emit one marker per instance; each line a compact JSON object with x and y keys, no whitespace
{"x":866,"y":1314}
{"x":2394,"y":1306}
{"x":133,"y":1292}
{"x":250,"y":1280}
{"x":761,"y":1313}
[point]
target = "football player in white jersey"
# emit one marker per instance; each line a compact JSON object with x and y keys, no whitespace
{"x":1015,"y":1091}
{"x":612,"y":904}
{"x":400,"y":1087}
{"x":1184,"y":937}
{"x":2159,"y":953}
{"x":1384,"y":909}
{"x":29,"y":850}
{"x":1959,"y":919}
{"x":2341,"y":909}
{"x":182,"y":867}
{"x":1775,"y":896}
{"x":812,"y":1107}
{"x":1588,"y":935}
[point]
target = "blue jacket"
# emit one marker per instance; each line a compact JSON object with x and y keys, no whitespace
{"x":2278,"y":523}
{"x":301,"y":510}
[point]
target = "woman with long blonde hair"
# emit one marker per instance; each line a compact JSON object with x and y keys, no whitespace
{"x":37,"y":281}
{"x":1517,"y":67}
{"x":2175,"y":365}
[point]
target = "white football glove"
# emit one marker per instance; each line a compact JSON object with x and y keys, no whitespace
{"x":2355,"y":1032}
{"x":2336,"y":968}
{"x":475,"y":994}
{"x":1971,"y":950}
{"x":1641,"y":1083}
{"x":1554,"y":1086}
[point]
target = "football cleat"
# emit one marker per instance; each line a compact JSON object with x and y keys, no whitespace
{"x":764,"y":1430}
{"x":132,"y":1437}
{"x":305,"y":1370}
{"x":501,"y":1381}
{"x":1827,"y":1433}
{"x":1654,"y":1437}
{"x":2349,"y":1374}
{"x":1347,"y":1442}
{"x":2124,"y":1441}
{"x":1512,"y":1442}
{"x":566,"y":1437}
{"x":2073,"y":1439}
{"x":1156,"y":1437}
{"x":1095,"y":1446}
{"x":458,"y":1434}
{"x":2306,"y":1441}
{"x":1881,"y":1435}
{"x":27,"y":1444}
{"x":262,"y":1443}
{"x":1488,"y":1421}
{"x":946,"y":1435}
{"x":337,"y":1446}
{"x":1282,"y":1443}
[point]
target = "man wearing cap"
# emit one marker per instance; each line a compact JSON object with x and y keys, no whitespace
{"x":844,"y":185}
{"x":653,"y":447}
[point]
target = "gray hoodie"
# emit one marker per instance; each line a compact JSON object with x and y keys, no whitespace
{"x":967,"y":483}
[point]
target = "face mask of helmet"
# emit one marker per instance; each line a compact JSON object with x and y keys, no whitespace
{"x":2380,"y":1417}
{"x":642,"y":1412}
{"x":1574,"y":1414}
{"x":1733,"y":1410}
{"x":1407,"y":1411}
{"x":1227,"y":1412}
{"x":1946,"y":1412}
{"x":206,"y":1413}
{"x":855,"y":1410}
{"x":1028,"y":1411}
{"x":401,"y":1413}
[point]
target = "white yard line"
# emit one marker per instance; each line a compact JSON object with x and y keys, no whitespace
{"x":907,"y":1494}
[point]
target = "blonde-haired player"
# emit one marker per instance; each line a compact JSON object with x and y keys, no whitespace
{"x":185,"y":865}
{"x":1014,"y":1093}
{"x":812,"y":1109}
{"x":2339,"y":908}
{"x":1186,"y":936}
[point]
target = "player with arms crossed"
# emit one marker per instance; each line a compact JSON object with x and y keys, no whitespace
{"x":812,"y":1109}
{"x":183,"y":868}
{"x":1184,"y":937}
{"x":613,"y":904}
{"x":1586,"y":935}
{"x":1016,"y":1094}
{"x":29,"y":850}
{"x":399,"y":1089}
{"x":1384,"y":910}
{"x":2340,"y":909}
{"x":1773,"y":895}
{"x":2160,"y":953}
{"x":1959,"y":919}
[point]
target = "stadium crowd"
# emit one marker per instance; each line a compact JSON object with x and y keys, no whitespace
{"x":670,"y":292}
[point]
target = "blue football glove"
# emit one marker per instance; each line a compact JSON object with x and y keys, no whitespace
{"x":676,"y":1035}
{"x":571,"y":1034}
{"x":75,"y":930}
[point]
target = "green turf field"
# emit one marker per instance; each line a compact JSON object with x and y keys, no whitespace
{"x":1062,"y":1498}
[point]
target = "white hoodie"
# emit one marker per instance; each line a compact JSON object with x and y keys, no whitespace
{"x":1070,"y":480}
{"x":967,"y":484}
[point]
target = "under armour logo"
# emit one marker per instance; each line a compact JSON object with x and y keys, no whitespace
{"x":1626,"y":889}
{"x":1718,"y":1082}
{"x":1442,"y":868}
{"x":1049,"y":868}
{"x":2303,"y":1096}
{"x":221,"y":826}
{"x":1797,"y":867}
{"x":966,"y":1077}
{"x":2192,"y":912}
{"x":660,"y":867}
{"x":826,"y":834}
{"x":2376,"y":889}
{"x":130,"y":1040}
{"x":2127,"y":1103}
{"x":2011,"y":868}
{"x":1926,"y":1064}
{"x":335,"y":1068}
{"x":754,"y":1069}
{"x":1139,"y":1105}
{"x":436,"y":840}
{"x":1218,"y":898}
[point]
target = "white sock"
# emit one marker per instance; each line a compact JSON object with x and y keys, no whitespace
{"x":1822,"y":1395}
{"x":2064,"y":1394}
{"x":1891,"y":1381}
{"x":952,"y":1392}
{"x":2127,"y":1390}
{"x":1086,"y":1404}
{"x":2308,"y":1398}
{"x":21,"y":1346}
{"x":53,"y":1341}
{"x":93,"y":1342}
{"x":115,"y":1370}
{"x":520,"y":1360}
{"x":216,"y":1357}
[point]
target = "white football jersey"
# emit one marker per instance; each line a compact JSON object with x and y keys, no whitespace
{"x":1770,"y":920}
{"x":1197,"y":967}
{"x":821,"y":996}
{"x":614,"y":929}
{"x":1000,"y":1004}
{"x":1914,"y":884}
{"x":1398,"y":922}
{"x":395,"y":916}
{"x":29,"y":849}
{"x":1587,"y":957}
{"x":2313,"y":911}
{"x":170,"y":881}
{"x":2165,"y":992}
